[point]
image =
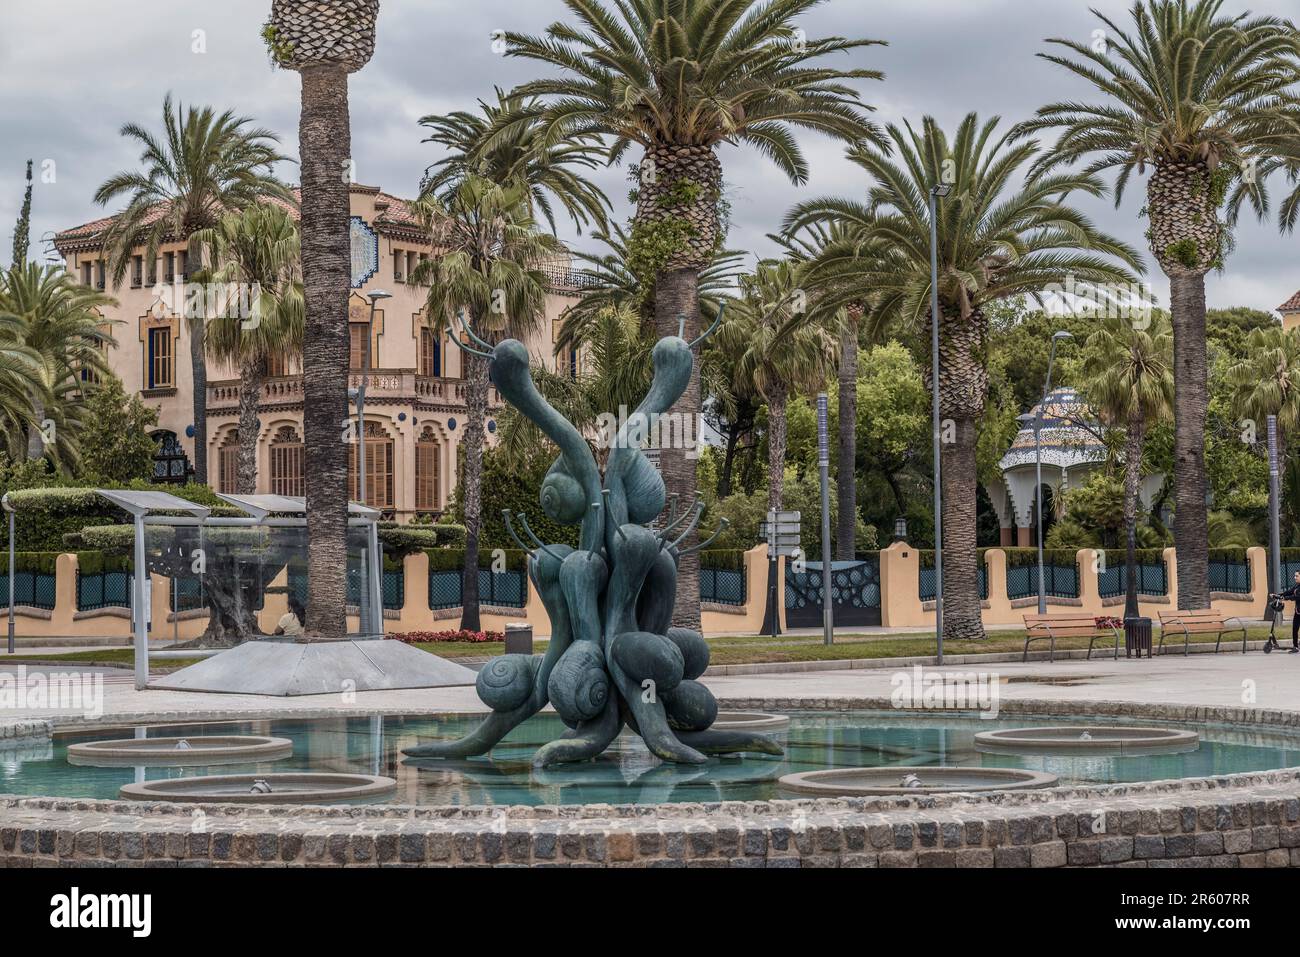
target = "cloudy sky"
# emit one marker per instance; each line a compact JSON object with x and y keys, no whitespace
{"x":73,"y":71}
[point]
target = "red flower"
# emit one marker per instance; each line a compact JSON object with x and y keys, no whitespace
{"x":462,"y":635}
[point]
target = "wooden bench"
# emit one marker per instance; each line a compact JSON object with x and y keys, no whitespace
{"x":1200,"y":621}
{"x":1050,"y":627}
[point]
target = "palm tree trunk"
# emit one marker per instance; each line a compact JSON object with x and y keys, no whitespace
{"x":961,"y":597}
{"x":963,"y":391}
{"x":35,"y":437}
{"x":1191,"y":394}
{"x":476,"y":398}
{"x":676,"y":294}
{"x":199,"y":373}
{"x":846,"y":477}
{"x":324,"y":146}
{"x":776,"y":445}
{"x":1132,"y":482}
{"x":251,"y":372}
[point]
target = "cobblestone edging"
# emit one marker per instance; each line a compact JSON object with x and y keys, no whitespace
{"x":1230,"y":821}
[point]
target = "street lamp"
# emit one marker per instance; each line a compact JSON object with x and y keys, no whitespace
{"x":1037,"y":420}
{"x":937,"y":192}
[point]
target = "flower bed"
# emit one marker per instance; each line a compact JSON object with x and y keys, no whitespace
{"x":464,"y":635}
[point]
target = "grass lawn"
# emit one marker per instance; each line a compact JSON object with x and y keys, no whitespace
{"x":726,"y":650}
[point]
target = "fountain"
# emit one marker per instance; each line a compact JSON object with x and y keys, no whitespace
{"x":857,"y":782}
{"x":287,"y":788}
{"x":613,"y":657}
{"x":174,"y":752}
{"x":1098,"y":739}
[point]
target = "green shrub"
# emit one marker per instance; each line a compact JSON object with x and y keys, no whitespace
{"x":731,"y":558}
{"x":443,"y":559}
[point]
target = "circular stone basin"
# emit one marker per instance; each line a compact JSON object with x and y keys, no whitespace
{"x":1099,"y":740}
{"x":304,"y":787}
{"x":199,"y":749}
{"x":855,"y":782}
{"x":749,"y":721}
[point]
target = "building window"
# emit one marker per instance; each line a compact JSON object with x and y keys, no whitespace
{"x":159,"y":374}
{"x":277,"y":366}
{"x":430,"y":352}
{"x":357,"y":333}
{"x":286,"y":463}
{"x":169,"y":262}
{"x":379,"y":468}
{"x":427,"y":498}
{"x":399,"y":266}
{"x":137,"y":272}
{"x":573,"y":364}
{"x":88,"y":274}
{"x":228,"y":463}
{"x":411,"y":262}
{"x":100,"y":281}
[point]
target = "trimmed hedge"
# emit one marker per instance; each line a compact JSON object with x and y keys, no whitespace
{"x":723,"y":558}
{"x":445,"y":559}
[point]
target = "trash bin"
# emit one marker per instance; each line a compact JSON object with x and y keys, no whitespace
{"x":1137,"y":636}
{"x":519,"y":638}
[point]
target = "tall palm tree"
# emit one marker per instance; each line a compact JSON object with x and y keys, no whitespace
{"x":678,"y":78}
{"x":1209,"y":102}
{"x":1129,"y":382}
{"x":201,"y":166}
{"x":325,"y":43}
{"x":1266,"y":381}
{"x":996,"y":240}
{"x":777,"y":354}
{"x":61,"y":324}
{"x":256,"y":254}
{"x":518,"y":175}
{"x":492,"y":271}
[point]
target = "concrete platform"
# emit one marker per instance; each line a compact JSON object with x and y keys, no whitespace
{"x":289,"y":669}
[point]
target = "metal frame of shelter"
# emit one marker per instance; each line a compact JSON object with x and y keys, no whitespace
{"x":271,"y":511}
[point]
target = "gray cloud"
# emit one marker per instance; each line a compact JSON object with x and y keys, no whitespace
{"x":72,"y":72}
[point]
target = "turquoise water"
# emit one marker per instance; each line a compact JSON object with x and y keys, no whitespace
{"x":628,"y":773}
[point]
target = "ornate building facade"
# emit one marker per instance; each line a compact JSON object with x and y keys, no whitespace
{"x":415,"y":397}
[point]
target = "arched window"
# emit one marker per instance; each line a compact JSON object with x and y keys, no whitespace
{"x":286,"y":463}
{"x":428,"y":497}
{"x":228,"y":463}
{"x":379,"y":467}
{"x":170,"y":463}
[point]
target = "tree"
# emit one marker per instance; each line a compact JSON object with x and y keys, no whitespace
{"x":61,"y":323}
{"x":119,"y":448}
{"x":1208,"y":102}
{"x":23,"y":228}
{"x":255,"y":255}
{"x":491,"y":272}
{"x":773,"y":359}
{"x":996,"y":240}
{"x":677,"y":78}
{"x":202,"y":166}
{"x":324,"y":44}
{"x":1129,"y":383}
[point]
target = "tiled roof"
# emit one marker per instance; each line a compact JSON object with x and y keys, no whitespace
{"x":1291,"y":305}
{"x":1063,"y":438}
{"x":397,"y":217}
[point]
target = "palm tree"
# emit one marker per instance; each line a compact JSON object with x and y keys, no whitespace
{"x":492,"y":271}
{"x":777,"y":353}
{"x":60,"y":324}
{"x":1204,"y":99}
{"x":551,"y":170}
{"x":325,"y":43}
{"x":996,"y":240}
{"x":256,"y":252}
{"x":1267,"y":382}
{"x":678,"y":78}
{"x":202,"y":166}
{"x":1129,"y":383}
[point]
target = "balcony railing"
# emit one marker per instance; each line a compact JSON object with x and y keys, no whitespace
{"x":386,"y":385}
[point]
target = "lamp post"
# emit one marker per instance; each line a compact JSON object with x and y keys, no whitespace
{"x":936,"y":193}
{"x":1037,"y":419}
{"x":375,"y":295}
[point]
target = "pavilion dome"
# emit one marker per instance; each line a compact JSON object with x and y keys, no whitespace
{"x":1069,"y":435}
